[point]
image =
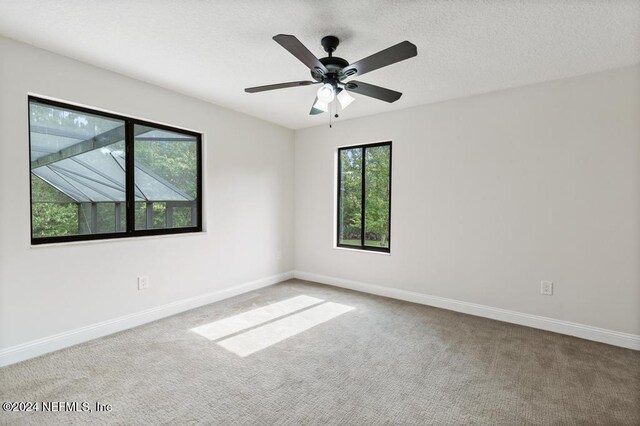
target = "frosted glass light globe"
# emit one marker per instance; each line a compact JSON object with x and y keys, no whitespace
{"x":326,"y":93}
{"x":344,"y":98}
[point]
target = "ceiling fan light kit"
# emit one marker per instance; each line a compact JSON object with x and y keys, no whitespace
{"x":321,"y":106}
{"x":344,"y":98}
{"x":331,"y":72}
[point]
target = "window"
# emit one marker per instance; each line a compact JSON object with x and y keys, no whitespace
{"x":96,"y":175}
{"x":364,"y":197}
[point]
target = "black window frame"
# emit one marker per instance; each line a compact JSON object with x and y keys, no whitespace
{"x":129,"y":178}
{"x":362,"y":245}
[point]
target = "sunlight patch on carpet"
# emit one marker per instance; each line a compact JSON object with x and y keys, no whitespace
{"x":231,"y":325}
{"x":254,"y":340}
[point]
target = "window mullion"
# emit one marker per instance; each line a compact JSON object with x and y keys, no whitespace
{"x":362,"y":196}
{"x":130,"y":177}
{"x":339,"y":201}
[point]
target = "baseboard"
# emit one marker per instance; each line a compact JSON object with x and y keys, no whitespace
{"x":34,"y":348}
{"x":625,"y":340}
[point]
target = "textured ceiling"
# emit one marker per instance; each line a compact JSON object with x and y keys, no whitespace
{"x":213,"y":49}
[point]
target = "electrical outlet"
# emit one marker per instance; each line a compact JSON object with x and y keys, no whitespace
{"x":143,"y":283}
{"x":546,"y":288}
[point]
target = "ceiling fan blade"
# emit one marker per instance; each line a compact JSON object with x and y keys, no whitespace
{"x":370,"y":90}
{"x":278,"y":86}
{"x":297,"y":49}
{"x":391,"y":55}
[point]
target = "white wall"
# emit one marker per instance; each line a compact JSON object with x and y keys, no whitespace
{"x":491,"y":194}
{"x":248,"y":206}
{"x":494,"y":193}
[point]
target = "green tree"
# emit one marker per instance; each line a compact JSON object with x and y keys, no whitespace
{"x":174,"y":161}
{"x":52,"y":212}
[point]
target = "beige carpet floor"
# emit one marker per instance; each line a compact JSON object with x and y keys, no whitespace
{"x":382,"y":361}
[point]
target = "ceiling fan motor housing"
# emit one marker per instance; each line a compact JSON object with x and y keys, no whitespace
{"x":333,"y":64}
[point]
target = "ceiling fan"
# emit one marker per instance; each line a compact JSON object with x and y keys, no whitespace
{"x":332,"y":71}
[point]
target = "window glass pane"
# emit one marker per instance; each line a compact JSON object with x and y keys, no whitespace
{"x":350,"y":193}
{"x":377,"y":190}
{"x":166,"y":175}
{"x":74,"y":169}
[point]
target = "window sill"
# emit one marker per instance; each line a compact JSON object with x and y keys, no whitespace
{"x":121,"y":240}
{"x":362,"y":251}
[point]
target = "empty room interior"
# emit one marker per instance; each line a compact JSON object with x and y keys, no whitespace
{"x":344,"y":213}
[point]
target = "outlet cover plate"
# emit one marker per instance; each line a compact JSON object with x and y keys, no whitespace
{"x":143,"y":283}
{"x":546,"y":288}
